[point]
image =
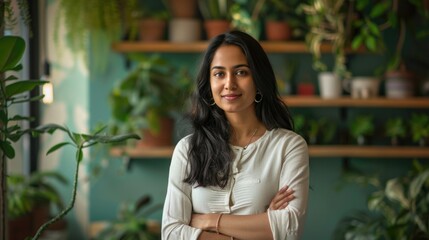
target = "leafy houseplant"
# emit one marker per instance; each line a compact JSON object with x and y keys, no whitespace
{"x":152,"y":91}
{"x":419,"y":125}
{"x":30,"y":199}
{"x":132,"y":223}
{"x":329,"y":23}
{"x":216,"y":15}
{"x":361,"y":127}
{"x":107,"y":21}
{"x":281,"y":19}
{"x":14,"y":91}
{"x":246,"y":16}
{"x":25,"y":193}
{"x":397,"y":209}
{"x":395,"y":129}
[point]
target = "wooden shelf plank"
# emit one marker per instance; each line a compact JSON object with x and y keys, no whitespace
{"x":315,"y":101}
{"x":314,"y":151}
{"x":162,"y":152}
{"x":368,"y":151}
{"x":198,"y":47}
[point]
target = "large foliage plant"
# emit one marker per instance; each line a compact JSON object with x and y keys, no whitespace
{"x":16,"y":91}
{"x":397,"y":208}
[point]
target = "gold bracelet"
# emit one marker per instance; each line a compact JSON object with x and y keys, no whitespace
{"x":217,"y":223}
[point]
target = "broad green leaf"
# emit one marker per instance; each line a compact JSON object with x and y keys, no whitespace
{"x":378,"y":9}
{"x":33,"y":99}
{"x":8,"y":150}
{"x":395,"y":191}
{"x":3,"y":117}
{"x":22,"y":86}
{"x":11,"y":49}
{"x":357,"y":41}
{"x":11,"y":78}
{"x":371,"y":44}
{"x":117,"y":138}
{"x":417,"y":183}
{"x":57,"y":146}
{"x":20,"y":118}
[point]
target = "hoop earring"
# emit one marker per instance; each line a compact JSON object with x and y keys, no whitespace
{"x":258,"y":99}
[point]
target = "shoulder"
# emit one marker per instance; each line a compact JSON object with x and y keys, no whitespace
{"x":288,"y":136}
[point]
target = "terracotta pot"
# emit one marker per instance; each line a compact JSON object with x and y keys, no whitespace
{"x":216,"y":27}
{"x":152,"y":29}
{"x":277,"y":31}
{"x":163,"y":138}
{"x":21,"y":227}
{"x":183,"y":8}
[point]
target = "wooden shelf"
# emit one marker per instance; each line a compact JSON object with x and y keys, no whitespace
{"x":163,"y":152}
{"x":198,"y":47}
{"x":314,"y":151}
{"x":368,"y":151}
{"x":315,"y":101}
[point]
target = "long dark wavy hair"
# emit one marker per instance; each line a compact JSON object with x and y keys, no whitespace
{"x":210,"y":155}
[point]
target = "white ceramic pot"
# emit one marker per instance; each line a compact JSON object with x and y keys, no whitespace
{"x":362,"y":87}
{"x":329,"y":85}
{"x":184,"y":30}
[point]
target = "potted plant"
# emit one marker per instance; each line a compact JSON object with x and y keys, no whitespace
{"x":410,"y":20}
{"x":328,"y":22}
{"x":29,"y":202}
{"x":132,"y":223}
{"x":246,"y":16}
{"x":397,"y":208}
{"x":280,"y":19}
{"x":147,"y":98}
{"x":152,"y":22}
{"x":395,"y":129}
{"x":361,"y":128}
{"x":419,"y":125}
{"x":216,"y":15}
{"x":320,"y":131}
{"x":98,"y":22}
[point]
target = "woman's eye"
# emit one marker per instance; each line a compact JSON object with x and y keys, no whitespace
{"x":241,"y":72}
{"x":218,"y":74}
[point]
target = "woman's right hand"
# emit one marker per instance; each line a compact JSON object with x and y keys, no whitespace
{"x":282,"y":198}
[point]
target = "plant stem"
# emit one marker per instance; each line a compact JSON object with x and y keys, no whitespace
{"x":66,"y":210}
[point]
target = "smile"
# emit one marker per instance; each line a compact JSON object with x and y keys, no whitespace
{"x":231,"y":97}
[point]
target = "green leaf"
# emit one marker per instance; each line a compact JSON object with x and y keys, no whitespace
{"x":21,"y":87}
{"x":417,"y":183}
{"x":357,"y":41}
{"x":371,"y":44}
{"x":50,"y":128}
{"x":7,"y":148}
{"x":11,"y":49}
{"x":395,"y":191}
{"x":378,"y":9}
{"x":57,"y":146}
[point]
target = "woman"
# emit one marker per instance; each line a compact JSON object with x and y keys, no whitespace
{"x":232,"y":178}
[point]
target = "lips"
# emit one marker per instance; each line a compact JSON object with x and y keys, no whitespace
{"x":231,"y":97}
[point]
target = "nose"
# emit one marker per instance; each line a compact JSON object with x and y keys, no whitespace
{"x":230,"y":83}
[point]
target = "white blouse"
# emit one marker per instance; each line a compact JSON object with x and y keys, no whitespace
{"x":278,"y":158}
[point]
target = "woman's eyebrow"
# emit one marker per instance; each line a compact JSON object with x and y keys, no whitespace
{"x":236,"y":66}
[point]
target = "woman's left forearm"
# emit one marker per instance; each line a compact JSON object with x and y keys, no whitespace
{"x":249,"y":227}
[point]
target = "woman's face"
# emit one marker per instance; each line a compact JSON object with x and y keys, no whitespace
{"x":231,"y":80}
